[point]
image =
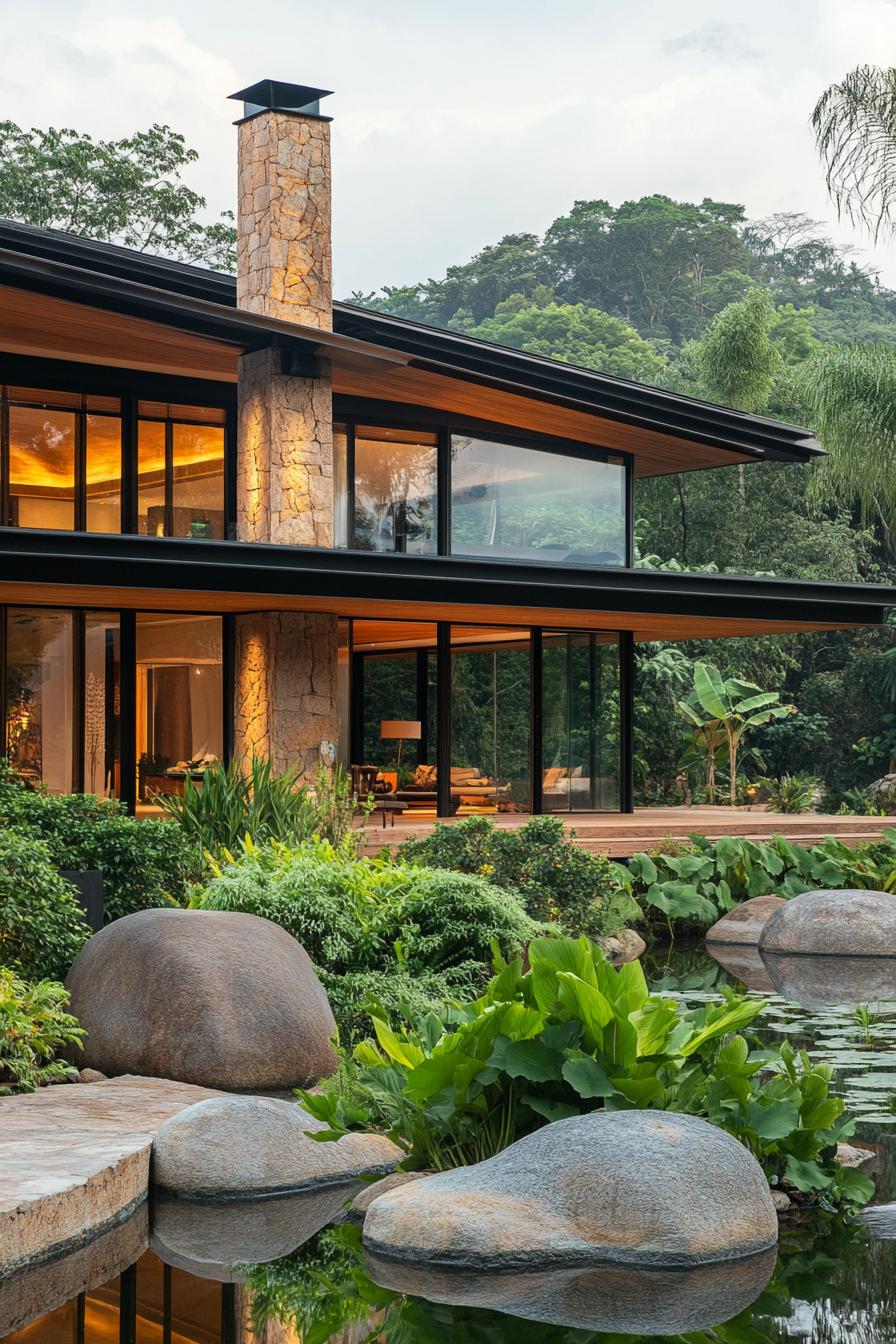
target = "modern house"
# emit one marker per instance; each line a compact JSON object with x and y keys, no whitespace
{"x":238,"y":517}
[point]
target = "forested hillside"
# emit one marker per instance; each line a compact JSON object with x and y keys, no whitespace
{"x":769,"y":316}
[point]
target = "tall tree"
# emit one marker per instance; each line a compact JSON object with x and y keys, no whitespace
{"x":127,"y":191}
{"x":855,"y":132}
{"x":575,"y":333}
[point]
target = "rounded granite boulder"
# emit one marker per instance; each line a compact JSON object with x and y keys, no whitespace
{"x":834,"y":924}
{"x":650,"y":1188}
{"x":744,"y":924}
{"x":225,"y":1000}
{"x":243,"y":1147}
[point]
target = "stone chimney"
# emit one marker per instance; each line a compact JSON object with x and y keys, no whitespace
{"x":285,"y":703}
{"x":284,"y":270}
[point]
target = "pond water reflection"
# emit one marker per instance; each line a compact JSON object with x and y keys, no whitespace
{"x":831,"y":1280}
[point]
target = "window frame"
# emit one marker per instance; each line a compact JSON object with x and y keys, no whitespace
{"x":349,"y":414}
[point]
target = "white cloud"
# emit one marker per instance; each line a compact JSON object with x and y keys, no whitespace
{"x":724,"y":41}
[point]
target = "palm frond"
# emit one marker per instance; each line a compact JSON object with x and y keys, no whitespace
{"x":855,"y":134}
{"x":851,"y":395}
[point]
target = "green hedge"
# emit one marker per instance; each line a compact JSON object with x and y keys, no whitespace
{"x":145,"y":863}
{"x":374,"y":926}
{"x":42,"y":926}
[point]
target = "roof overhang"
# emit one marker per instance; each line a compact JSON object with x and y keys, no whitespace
{"x":374,"y":356}
{"x":61,"y":311}
{"x":70,"y":569}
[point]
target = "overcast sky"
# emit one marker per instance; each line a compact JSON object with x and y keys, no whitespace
{"x":457,"y":122}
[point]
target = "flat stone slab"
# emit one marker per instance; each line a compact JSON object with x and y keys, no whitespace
{"x":74,"y":1160}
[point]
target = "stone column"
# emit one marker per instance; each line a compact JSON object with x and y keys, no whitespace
{"x":285,"y":702}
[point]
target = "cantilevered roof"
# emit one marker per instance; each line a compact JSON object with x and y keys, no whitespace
{"x":380,"y":357}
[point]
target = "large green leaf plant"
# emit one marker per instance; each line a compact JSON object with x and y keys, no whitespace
{"x":571,"y":1035}
{"x":721,"y":710}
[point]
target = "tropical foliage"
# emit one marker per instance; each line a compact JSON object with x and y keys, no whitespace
{"x":722,"y":711}
{"x":571,"y":1035}
{"x":855,"y":132}
{"x":697,"y":885}
{"x":34,"y":1031}
{"x":233,"y":803}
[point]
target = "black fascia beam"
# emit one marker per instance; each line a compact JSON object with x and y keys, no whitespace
{"x":105,"y":561}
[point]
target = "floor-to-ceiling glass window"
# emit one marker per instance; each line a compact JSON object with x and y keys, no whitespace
{"x":394,"y":692}
{"x":41,"y":457}
{"x":40,"y":696}
{"x":180,"y":699}
{"x":394,"y":491}
{"x":512,"y":502}
{"x":490,"y":720}
{"x":102,"y":466}
{"x":180,"y":471}
{"x":580,"y":722}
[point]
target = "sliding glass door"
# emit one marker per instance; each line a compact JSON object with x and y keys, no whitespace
{"x":580,"y":722}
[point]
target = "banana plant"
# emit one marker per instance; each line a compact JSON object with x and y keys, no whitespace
{"x":725,"y":709}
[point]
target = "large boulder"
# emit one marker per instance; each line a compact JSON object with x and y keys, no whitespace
{"x":644,"y":1188}
{"x":243,"y":1147}
{"x":222,"y":999}
{"x":620,"y":1299}
{"x":834,"y":924}
{"x":744,"y":924}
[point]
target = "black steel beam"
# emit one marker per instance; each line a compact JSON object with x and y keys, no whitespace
{"x":104,"y":561}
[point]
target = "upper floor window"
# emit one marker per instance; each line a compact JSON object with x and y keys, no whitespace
{"x":525,"y":504}
{"x":64,"y":459}
{"x":392,"y":503}
{"x":506,"y":500}
{"x":180,"y":471}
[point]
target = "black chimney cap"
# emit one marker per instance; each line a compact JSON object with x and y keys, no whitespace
{"x":276,"y":96}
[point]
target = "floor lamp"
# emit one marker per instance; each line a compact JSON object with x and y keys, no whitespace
{"x":400,"y":730}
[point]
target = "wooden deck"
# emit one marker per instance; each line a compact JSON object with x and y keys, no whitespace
{"x":621,"y":835}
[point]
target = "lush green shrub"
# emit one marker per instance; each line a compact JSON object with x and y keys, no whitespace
{"x":34,"y":1030}
{"x":694,"y":888}
{"x":42,"y":924}
{"x":541,"y":861}
{"x":233,"y":804}
{"x":374,"y":925}
{"x":145,"y":863}
{"x":572,"y":1035}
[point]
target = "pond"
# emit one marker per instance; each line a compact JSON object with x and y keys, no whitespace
{"x":181,"y":1274}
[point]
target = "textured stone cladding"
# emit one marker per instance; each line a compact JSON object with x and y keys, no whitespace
{"x":285,"y":702}
{"x":286,"y":687}
{"x":284,"y":248}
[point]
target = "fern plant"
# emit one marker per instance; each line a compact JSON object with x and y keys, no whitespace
{"x":34,"y":1030}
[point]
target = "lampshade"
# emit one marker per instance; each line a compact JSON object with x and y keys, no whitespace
{"x":405,"y":729}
